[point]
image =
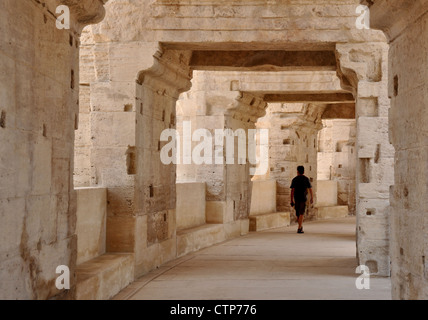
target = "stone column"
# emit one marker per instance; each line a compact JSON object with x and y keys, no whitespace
{"x":406,"y":27}
{"x":39,"y":91}
{"x":132,"y":100}
{"x":363,"y":68}
{"x":293,"y":142}
{"x":158,"y":90}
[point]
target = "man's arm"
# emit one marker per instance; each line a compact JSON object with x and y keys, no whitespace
{"x":292,"y":197}
{"x":312,"y":195}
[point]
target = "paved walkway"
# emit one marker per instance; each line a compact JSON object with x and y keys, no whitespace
{"x":273,"y":265}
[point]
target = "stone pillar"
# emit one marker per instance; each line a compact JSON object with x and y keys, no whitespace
{"x":293,"y":142}
{"x":363,"y":68}
{"x":228,"y":186}
{"x":406,"y":27}
{"x":39,"y":91}
{"x":132,"y":100}
{"x":158,"y":90}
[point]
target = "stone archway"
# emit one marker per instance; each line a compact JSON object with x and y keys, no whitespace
{"x":146,"y":58}
{"x":121,"y":52}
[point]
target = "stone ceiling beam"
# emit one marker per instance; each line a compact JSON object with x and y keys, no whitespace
{"x":297,"y":81}
{"x":263,"y":60}
{"x":339,"y":111}
{"x":330,"y":98}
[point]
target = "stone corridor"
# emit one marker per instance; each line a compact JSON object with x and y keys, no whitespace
{"x":270,"y":265}
{"x":97,"y":194}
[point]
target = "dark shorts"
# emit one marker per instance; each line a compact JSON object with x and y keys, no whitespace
{"x":300,"y":208}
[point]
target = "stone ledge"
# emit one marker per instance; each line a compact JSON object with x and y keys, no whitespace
{"x":267,"y":221}
{"x":194,"y":239}
{"x":332,"y":212}
{"x":103,"y":277}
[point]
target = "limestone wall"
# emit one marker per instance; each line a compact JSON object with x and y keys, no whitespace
{"x":337,"y":158}
{"x":39,"y":92}
{"x":406,"y":28}
{"x":143,"y":63}
{"x":136,"y":63}
{"x":84,"y":172}
{"x":91,"y":223}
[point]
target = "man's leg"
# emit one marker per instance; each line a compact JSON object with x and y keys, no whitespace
{"x":301,"y":221}
{"x":297,"y":208}
{"x":301,"y":206}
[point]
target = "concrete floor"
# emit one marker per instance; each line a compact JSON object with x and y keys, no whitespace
{"x":272,"y":265}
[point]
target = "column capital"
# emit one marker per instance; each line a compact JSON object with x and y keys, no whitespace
{"x":170,"y":71}
{"x":82,"y":12}
{"x":308,"y":116}
{"x":361,"y":62}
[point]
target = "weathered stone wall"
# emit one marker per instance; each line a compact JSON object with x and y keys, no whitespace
{"x":83,"y":170}
{"x":409,"y":93}
{"x":138,"y":35}
{"x":39,"y":92}
{"x":138,"y":62}
{"x":406,"y":26}
{"x":364,"y":67}
{"x":337,"y":158}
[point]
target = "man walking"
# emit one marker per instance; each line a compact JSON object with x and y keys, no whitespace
{"x":299,"y":190}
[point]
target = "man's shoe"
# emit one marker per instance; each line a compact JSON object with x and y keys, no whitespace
{"x":300,"y":230}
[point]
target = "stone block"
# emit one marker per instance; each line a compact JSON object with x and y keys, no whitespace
{"x":113,"y":129}
{"x":232,"y":229}
{"x":42,"y":166}
{"x":263,"y":199}
{"x":91,"y":223}
{"x":245,"y":226}
{"x":103,"y":277}
{"x":332,"y":212}
{"x":269,"y":221}
{"x":120,"y":234}
{"x":12,"y":214}
{"x":190,"y":207}
{"x":194,"y":239}
{"x":326,"y":193}
{"x":215,"y":211}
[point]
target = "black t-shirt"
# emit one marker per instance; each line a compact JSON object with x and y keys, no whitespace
{"x":300,"y":184}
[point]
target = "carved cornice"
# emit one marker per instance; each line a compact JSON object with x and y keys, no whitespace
{"x":86,"y":11}
{"x":168,"y":71}
{"x":248,"y":107}
{"x":394,"y":16}
{"x":82,"y":12}
{"x":360,"y":62}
